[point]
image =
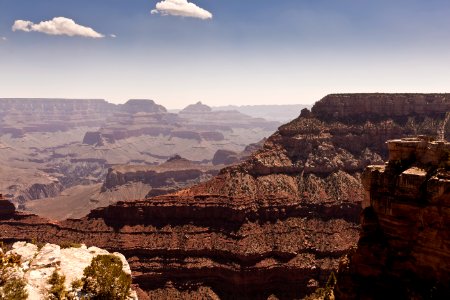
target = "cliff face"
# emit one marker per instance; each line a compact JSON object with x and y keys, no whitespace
{"x":21,"y":116}
{"x":175,"y":174}
{"x":134,"y":106}
{"x":271,"y":225}
{"x":404,"y":248}
{"x":7,"y":209}
{"x":40,"y":191}
{"x":362,"y":107}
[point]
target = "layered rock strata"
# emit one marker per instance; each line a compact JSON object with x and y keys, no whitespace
{"x":268,"y":226}
{"x":363,"y":107}
{"x":49,"y":145}
{"x":196,"y":122}
{"x":404,"y":248}
{"x":21,"y":116}
{"x":175,"y":174}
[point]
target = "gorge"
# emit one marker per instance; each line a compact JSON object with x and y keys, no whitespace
{"x":275,"y":225}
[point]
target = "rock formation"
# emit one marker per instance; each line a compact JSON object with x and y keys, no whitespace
{"x":268,"y":226}
{"x":225,"y":157}
{"x":134,"y":106}
{"x":363,"y":107}
{"x":21,"y":116}
{"x":50,"y":145}
{"x":173,"y":175}
{"x":196,"y":132}
{"x":202,"y":117}
{"x":403,"y":251}
{"x":280,"y":113}
{"x":39,"y":191}
{"x":38,"y":264}
{"x":196,"y":108}
{"x":7,"y":209}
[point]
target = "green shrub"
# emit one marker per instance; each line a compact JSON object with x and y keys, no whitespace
{"x":57,"y":290}
{"x":77,"y":284}
{"x":14,"y":289}
{"x":326,"y":293}
{"x":11,"y":286}
{"x":104,"y":279}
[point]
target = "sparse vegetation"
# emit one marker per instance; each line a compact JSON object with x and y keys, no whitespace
{"x":105,"y":279}
{"x":326,"y":293}
{"x":40,"y":245}
{"x":57,"y":290}
{"x":12,"y":287}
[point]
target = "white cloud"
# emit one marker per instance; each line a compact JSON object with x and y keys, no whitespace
{"x":57,"y":26}
{"x":181,"y":8}
{"x":3,"y":38}
{"x":112,"y":35}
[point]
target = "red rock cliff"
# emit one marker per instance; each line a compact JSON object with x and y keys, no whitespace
{"x":404,"y":248}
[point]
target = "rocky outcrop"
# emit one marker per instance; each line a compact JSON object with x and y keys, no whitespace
{"x":93,"y":138}
{"x":268,"y":226}
{"x":135,"y":106}
{"x":196,"y":108}
{"x":40,"y":191}
{"x":363,"y":107}
{"x":38,"y":264}
{"x":403,"y":251}
{"x":228,"y":157}
{"x":175,"y":174}
{"x":32,"y":186}
{"x":225,"y":157}
{"x":7,"y":209}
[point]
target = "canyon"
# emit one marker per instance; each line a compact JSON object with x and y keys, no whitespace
{"x":58,"y":148}
{"x":273,"y":226}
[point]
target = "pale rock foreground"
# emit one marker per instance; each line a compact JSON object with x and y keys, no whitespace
{"x":37,"y":265}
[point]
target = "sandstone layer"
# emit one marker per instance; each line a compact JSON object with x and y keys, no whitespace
{"x":404,"y":248}
{"x":175,"y":174}
{"x":268,"y":226}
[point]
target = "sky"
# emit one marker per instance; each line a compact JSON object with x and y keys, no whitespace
{"x":221,"y":52}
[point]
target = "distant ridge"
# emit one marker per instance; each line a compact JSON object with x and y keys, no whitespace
{"x":281,"y":113}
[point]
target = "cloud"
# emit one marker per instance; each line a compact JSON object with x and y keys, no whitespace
{"x":181,"y":8}
{"x":112,"y":35}
{"x":57,"y":26}
{"x":3,"y":38}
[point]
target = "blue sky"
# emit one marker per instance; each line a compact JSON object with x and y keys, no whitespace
{"x":249,"y":52}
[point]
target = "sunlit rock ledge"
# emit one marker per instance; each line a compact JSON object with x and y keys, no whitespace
{"x":38,"y":264}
